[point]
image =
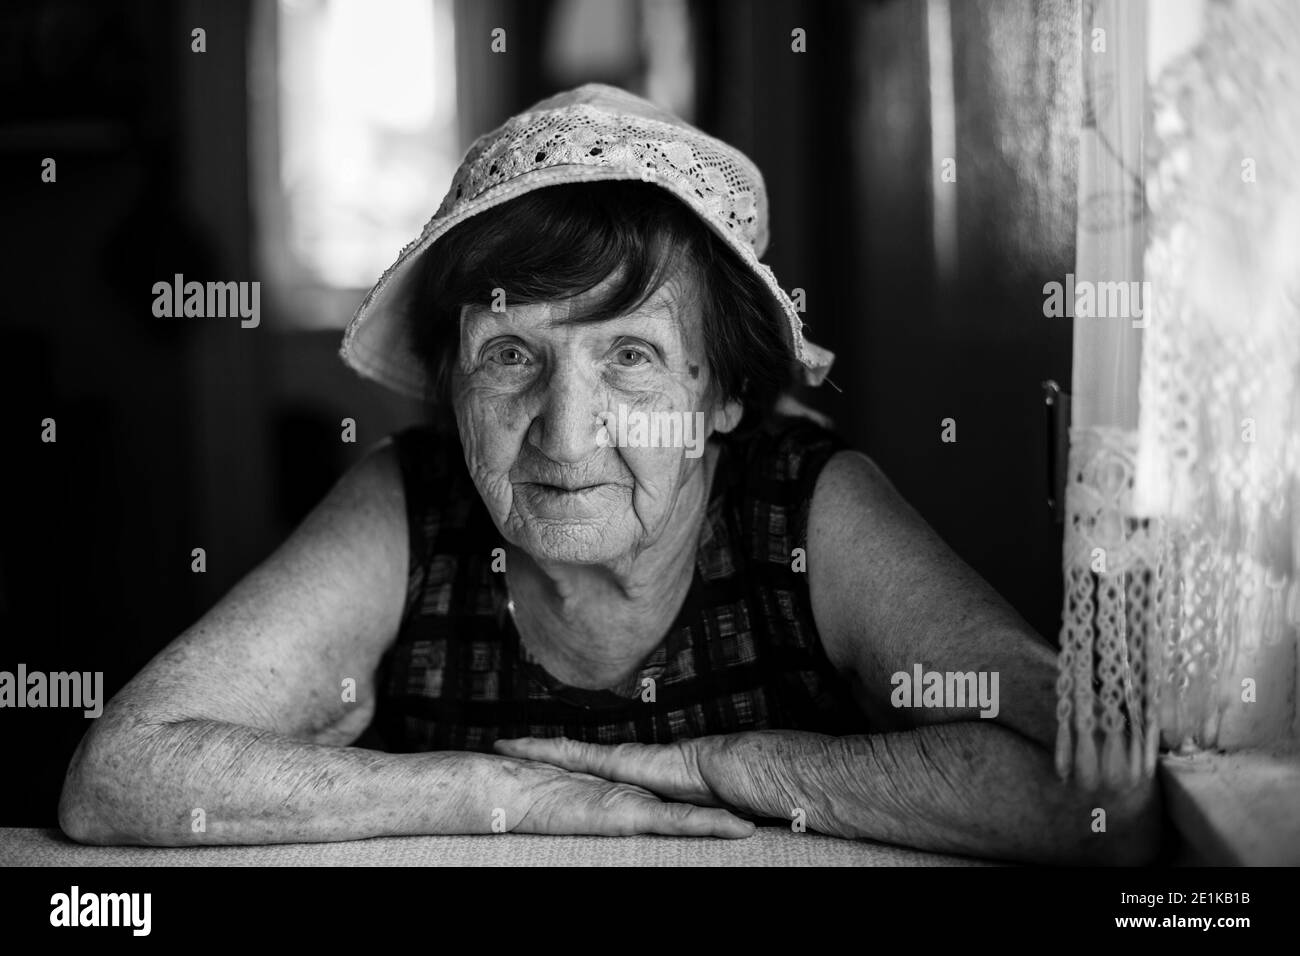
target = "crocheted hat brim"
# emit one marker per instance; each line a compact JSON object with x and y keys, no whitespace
{"x":377,"y":343}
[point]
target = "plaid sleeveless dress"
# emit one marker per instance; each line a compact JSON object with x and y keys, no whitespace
{"x":743,"y":653}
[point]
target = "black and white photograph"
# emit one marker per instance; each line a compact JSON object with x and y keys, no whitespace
{"x":651,"y":434}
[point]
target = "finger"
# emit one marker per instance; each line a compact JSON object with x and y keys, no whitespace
{"x":683,"y":819}
{"x":562,"y":752}
{"x":546,"y":749}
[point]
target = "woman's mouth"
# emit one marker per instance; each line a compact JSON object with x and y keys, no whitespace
{"x":563,"y":501}
{"x":563,"y":491}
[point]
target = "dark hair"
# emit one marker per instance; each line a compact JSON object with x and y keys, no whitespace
{"x":562,"y":241}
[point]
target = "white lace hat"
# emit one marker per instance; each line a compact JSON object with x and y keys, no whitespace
{"x":589,"y":134}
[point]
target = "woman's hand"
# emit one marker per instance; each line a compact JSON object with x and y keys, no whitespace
{"x":676,"y":771}
{"x":560,"y":801}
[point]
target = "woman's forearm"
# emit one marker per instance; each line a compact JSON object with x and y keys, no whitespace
{"x":964,"y":787}
{"x":201,"y":782}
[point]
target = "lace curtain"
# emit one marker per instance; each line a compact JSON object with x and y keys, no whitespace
{"x":1183,"y":501}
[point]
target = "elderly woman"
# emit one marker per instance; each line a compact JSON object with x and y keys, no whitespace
{"x":611,"y":590}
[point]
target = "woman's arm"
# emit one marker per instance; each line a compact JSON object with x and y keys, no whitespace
{"x":964,"y":787}
{"x":890,"y":597}
{"x":231,"y":734}
{"x":889,"y":594}
{"x":971,"y":788}
{"x":236,"y":732}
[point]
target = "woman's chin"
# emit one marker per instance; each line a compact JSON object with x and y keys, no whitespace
{"x":583,"y":526}
{"x":572,"y":541}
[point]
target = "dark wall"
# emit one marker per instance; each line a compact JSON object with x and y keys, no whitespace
{"x":843,"y":136}
{"x":171,"y":434}
{"x":110,"y":502}
{"x":971,"y":343}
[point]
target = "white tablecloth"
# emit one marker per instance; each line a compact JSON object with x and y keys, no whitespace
{"x":770,"y":846}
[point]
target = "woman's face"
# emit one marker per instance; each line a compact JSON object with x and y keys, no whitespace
{"x":581,"y":436}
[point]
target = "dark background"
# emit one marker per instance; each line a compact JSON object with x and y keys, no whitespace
{"x":175,"y":434}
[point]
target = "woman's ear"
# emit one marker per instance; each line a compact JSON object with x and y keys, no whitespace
{"x":727,"y":415}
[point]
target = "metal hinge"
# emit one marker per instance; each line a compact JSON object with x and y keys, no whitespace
{"x":1056,"y":404}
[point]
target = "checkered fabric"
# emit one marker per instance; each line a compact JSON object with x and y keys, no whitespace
{"x":743,"y":653}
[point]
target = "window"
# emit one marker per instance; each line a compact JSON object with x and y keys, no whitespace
{"x":354,"y":143}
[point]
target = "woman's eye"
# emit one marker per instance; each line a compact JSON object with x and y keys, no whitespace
{"x":509,"y":355}
{"x":629,"y":357}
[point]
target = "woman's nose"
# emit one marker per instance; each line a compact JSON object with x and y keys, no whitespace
{"x":567,"y":422}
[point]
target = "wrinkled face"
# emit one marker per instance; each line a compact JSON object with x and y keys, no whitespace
{"x":582,"y":437}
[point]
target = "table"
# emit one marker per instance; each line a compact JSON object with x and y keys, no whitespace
{"x":770,"y":846}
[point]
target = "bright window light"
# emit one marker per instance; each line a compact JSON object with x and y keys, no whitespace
{"x":367,"y":130}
